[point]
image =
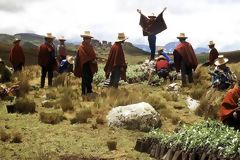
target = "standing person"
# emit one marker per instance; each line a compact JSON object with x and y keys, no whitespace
{"x":151,"y":26}
{"x":16,"y":56}
{"x":116,"y":64}
{"x":62,"y":48}
{"x":47,"y":60}
{"x":213,"y":53}
{"x":185,"y":59}
{"x":86,"y":65}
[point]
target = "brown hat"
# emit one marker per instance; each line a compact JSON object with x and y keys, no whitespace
{"x":121,"y":37}
{"x":220,"y":60}
{"x":49,"y":36}
{"x":86,"y":34}
{"x":182,"y":36}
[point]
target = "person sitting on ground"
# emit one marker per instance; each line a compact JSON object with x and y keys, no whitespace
{"x":229,"y":112}
{"x":222,"y":77}
{"x":5,"y":72}
{"x":9,"y":92}
{"x":168,"y":58}
{"x":162,"y":67}
{"x":66,"y":65}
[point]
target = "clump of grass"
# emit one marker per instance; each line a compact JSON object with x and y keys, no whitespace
{"x":82,"y":116}
{"x":51,"y":95}
{"x":51,"y":117}
{"x":175,"y":120}
{"x":59,"y":80}
{"x":66,"y":103}
{"x":25,"y":106}
{"x":17,"y":137}
{"x":4,"y":136}
{"x":112,"y":145}
{"x":197,"y":92}
{"x":203,"y":107}
{"x":156,"y":101}
{"x":100,"y":120}
{"x":22,"y":79}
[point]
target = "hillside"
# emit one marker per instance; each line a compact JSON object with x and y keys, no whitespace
{"x":30,"y":43}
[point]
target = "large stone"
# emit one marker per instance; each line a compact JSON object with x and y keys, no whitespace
{"x":192,"y":103}
{"x":140,"y":116}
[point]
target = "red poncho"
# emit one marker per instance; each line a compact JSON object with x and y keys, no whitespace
{"x":16,"y":56}
{"x":152,"y":27}
{"x":85,"y":54}
{"x":213,"y":55}
{"x":187,"y":54}
{"x":46,"y":56}
{"x":116,"y":58}
{"x":229,"y":103}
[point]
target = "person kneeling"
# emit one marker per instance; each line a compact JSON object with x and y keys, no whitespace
{"x":162,"y":67}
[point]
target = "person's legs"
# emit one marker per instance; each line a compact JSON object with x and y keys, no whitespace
{"x":89,"y":79}
{"x":152,"y":45}
{"x":50,"y":76}
{"x":183,"y":73}
{"x":43,"y":76}
{"x":115,"y":77}
{"x":190,"y":75}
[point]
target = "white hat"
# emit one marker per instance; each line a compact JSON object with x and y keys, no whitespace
{"x":121,"y":37}
{"x":62,"y":38}
{"x":211,"y":43}
{"x":86,"y":34}
{"x":70,"y":59}
{"x":220,"y":60}
{"x":49,"y":36}
{"x":16,"y":40}
{"x":182,"y":36}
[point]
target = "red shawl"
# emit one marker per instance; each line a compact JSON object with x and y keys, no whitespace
{"x":46,"y":56}
{"x":229,"y":103}
{"x":152,"y":27}
{"x":16,"y":56}
{"x":85,"y":54}
{"x":116,"y":58}
{"x":187,"y":54}
{"x":213,"y":55}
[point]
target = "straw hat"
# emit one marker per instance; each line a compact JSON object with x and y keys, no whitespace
{"x":221,"y":60}
{"x":70,"y":59}
{"x":211,"y":43}
{"x":49,"y":36}
{"x":182,"y":36}
{"x":160,"y":49}
{"x":152,"y":16}
{"x":160,"y":57}
{"x":62,"y":38}
{"x":16,"y":40}
{"x":1,"y":61}
{"x":121,"y":37}
{"x":86,"y":34}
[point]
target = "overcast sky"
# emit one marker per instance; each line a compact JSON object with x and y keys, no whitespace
{"x":200,"y":20}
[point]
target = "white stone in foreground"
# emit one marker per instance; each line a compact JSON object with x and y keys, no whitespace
{"x":192,"y":103}
{"x":140,"y":116}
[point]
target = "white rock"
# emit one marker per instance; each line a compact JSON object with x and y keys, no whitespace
{"x":140,"y":116}
{"x":173,"y":87}
{"x":192,"y":103}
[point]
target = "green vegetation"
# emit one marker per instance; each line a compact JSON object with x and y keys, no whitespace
{"x":207,"y":135}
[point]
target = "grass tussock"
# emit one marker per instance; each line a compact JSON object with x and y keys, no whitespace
{"x":157,"y":102}
{"x":100,"y":120}
{"x":25,"y":106}
{"x":16,"y":137}
{"x":112,"y":145}
{"x":197,"y":92}
{"x":22,"y":79}
{"x":66,"y":103}
{"x":59,"y":80}
{"x":51,"y":117}
{"x":82,"y":116}
{"x":4,"y":136}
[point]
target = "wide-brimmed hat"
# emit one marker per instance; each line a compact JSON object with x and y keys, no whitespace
{"x":221,"y":60}
{"x":70,"y":59}
{"x":121,"y":37}
{"x":62,"y":38}
{"x":161,"y":57}
{"x":1,"y":61}
{"x":49,"y":36}
{"x":86,"y":34}
{"x":160,"y":49}
{"x":211,"y":43}
{"x":182,"y":36}
{"x":152,"y":16}
{"x":16,"y":40}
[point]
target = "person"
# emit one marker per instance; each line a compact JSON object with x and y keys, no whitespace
{"x":116,"y":64}
{"x":162,"y":67}
{"x":47,"y":60}
{"x":229,"y":112}
{"x":66,"y":65}
{"x":151,"y":26}
{"x":16,"y":56}
{"x":213,"y":53}
{"x":161,"y":52}
{"x":185,"y":59}
{"x":222,"y":77}
{"x":86,"y":64}
{"x":62,"y":48}
{"x":5,"y":72}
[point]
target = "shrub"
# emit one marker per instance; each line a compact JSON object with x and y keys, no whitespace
{"x":59,"y":80}
{"x":100,"y":120}
{"x":17,"y":137}
{"x":25,"y":106}
{"x":4,"y":136}
{"x":51,"y":117}
{"x":112,"y":145}
{"x":82,"y":116}
{"x":66,"y":103}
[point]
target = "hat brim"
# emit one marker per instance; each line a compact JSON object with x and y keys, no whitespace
{"x":16,"y":41}
{"x":152,"y":17}
{"x":219,"y":64}
{"x":211,"y":44}
{"x":62,"y":39}
{"x":86,"y":36}
{"x":182,"y":37}
{"x":120,"y":40}
{"x":49,"y":37}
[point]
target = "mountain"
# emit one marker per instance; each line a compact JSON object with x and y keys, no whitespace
{"x":143,"y":47}
{"x":200,"y":50}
